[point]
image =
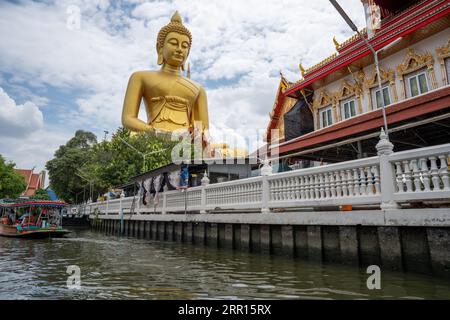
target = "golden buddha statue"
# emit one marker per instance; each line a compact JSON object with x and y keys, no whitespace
{"x":172,"y":101}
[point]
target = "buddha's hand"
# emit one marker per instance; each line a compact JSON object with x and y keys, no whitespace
{"x":149,"y":129}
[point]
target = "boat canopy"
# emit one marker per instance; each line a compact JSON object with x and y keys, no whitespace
{"x":28,"y":204}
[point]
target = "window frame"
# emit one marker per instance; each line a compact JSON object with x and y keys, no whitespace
{"x":323,"y":110}
{"x":373,"y":94}
{"x":416,"y":75}
{"x":342,"y":107}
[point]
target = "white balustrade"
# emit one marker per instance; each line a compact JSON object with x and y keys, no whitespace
{"x":244,"y":193}
{"x":389,"y":179}
{"x":352,"y":182}
{"x":422,"y":174}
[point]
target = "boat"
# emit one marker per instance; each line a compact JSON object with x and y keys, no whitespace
{"x":32,"y":219}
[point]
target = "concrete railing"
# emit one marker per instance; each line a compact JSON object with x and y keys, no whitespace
{"x":386,"y":180}
{"x":352,"y":182}
{"x":422,"y":174}
{"x":239,"y":194}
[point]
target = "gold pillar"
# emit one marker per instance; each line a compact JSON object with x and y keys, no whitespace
{"x":402,"y":88}
{"x":444,"y":72}
{"x":334,"y":107}
{"x":394,"y":90}
{"x":432,"y":74}
{"x":317,"y":120}
{"x":359,"y":101}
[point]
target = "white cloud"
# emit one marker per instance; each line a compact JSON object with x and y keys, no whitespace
{"x":241,"y":44}
{"x":24,"y":137}
{"x":36,"y":149}
{"x":18,"y":120}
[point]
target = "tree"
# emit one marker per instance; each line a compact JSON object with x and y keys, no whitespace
{"x":41,"y":194}
{"x":63,"y":168}
{"x":115,"y":162}
{"x":12,"y":184}
{"x":82,"y":161}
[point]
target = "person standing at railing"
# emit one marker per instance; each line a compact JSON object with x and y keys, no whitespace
{"x":184,"y":177}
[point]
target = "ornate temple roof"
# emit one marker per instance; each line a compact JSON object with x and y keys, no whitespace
{"x":397,"y":22}
{"x":354,"y":48}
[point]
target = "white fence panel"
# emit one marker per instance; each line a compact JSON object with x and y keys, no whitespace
{"x":422,"y":174}
{"x":245,"y":193}
{"x":352,"y":182}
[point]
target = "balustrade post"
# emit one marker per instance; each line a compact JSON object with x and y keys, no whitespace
{"x":266,"y":171}
{"x":164,"y":207}
{"x":205,"y":182}
{"x":385,"y":148}
{"x":107,"y":206}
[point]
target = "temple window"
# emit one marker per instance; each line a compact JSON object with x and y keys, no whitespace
{"x":417,"y":83}
{"x":376,"y":96}
{"x":326,"y":117}
{"x":348,"y":109}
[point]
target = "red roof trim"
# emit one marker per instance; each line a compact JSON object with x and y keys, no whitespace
{"x":35,"y":203}
{"x":378,"y":41}
{"x":383,"y":38}
{"x":388,"y":24}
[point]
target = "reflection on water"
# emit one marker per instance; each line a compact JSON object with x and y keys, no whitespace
{"x":127,"y":268}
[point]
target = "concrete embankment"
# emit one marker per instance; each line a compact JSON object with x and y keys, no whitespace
{"x":412,"y":240}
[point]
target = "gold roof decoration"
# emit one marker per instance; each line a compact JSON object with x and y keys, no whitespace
{"x":302,"y":69}
{"x":328,"y":59}
{"x":386,"y":75}
{"x":295,"y":83}
{"x":336,"y":43}
{"x":322,"y":99}
{"x":321,"y":63}
{"x":444,"y":50}
{"x":284,"y":83}
{"x":414,"y":61}
{"x":352,"y":38}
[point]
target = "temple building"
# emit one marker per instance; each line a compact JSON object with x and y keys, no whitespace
{"x":33,"y":180}
{"x":334,"y":112}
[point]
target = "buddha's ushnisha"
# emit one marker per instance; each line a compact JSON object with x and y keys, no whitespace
{"x":172,"y":101}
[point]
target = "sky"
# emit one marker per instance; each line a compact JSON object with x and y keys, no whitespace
{"x":65,"y":65}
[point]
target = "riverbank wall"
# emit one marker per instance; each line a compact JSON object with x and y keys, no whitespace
{"x":409,"y":240}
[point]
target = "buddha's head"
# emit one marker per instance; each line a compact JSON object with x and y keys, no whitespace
{"x":173,"y":43}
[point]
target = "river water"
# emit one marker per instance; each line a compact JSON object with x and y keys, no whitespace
{"x":127,"y":268}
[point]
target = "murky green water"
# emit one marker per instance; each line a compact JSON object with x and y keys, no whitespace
{"x":128,"y":268}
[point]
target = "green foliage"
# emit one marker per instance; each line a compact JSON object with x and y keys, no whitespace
{"x":41,"y":194}
{"x":107,"y":164}
{"x":116,"y":161}
{"x":63,"y":168}
{"x":12,"y":184}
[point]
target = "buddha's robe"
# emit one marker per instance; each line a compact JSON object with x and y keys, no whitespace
{"x":170,"y":106}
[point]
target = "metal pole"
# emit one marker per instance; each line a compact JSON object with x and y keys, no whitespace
{"x":185,"y":201}
{"x":375,"y":55}
{"x":360,"y":153}
{"x":381,"y":93}
{"x":143,"y":168}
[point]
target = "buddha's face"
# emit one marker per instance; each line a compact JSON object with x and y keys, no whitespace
{"x":176,"y":49}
